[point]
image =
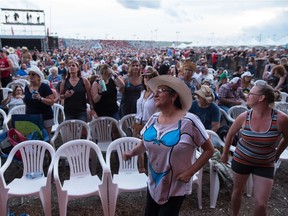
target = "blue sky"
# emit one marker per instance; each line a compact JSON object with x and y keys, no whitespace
{"x":165,"y":20}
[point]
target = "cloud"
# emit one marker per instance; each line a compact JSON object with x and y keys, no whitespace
{"x":20,"y":4}
{"x":137,"y":4}
{"x":274,"y":28}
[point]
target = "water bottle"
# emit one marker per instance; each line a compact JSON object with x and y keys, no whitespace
{"x":34,"y":94}
{"x":103,"y":85}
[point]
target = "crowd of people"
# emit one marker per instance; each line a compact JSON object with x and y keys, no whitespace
{"x":175,"y":97}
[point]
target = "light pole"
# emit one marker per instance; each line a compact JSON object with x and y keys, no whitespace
{"x":156,"y":30}
{"x":177,"y":38}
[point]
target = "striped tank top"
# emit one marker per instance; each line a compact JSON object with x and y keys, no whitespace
{"x":258,"y":148}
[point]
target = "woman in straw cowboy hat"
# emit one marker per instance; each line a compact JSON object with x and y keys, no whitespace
{"x":171,"y":138}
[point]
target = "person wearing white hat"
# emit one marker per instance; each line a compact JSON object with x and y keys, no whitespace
{"x":39,"y":97}
{"x":246,"y":83}
{"x":170,"y":138}
{"x":15,"y":59}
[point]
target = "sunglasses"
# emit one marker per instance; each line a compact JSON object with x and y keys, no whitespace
{"x":32,"y":74}
{"x":161,"y":90}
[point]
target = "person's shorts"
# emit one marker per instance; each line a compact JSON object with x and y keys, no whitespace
{"x":266,"y":172}
{"x":48,"y":123}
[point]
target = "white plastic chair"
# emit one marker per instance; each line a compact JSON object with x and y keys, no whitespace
{"x":128,"y":177}
{"x":4,"y":119}
{"x":235,"y":111}
{"x":101,"y":131}
{"x":70,"y":130}
{"x":16,"y":83}
{"x":225,"y":118}
{"x":282,"y":106}
{"x":58,"y":111}
{"x":6,"y":91}
{"x":283,"y":157}
{"x":81,"y":183}
{"x":214,"y":178}
{"x":20,"y":109}
{"x":125,"y":124}
{"x":33,"y":182}
{"x":284,"y":96}
{"x":197,"y":179}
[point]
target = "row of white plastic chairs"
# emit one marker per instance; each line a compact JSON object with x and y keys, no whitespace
{"x":81,"y":182}
{"x":58,"y":109}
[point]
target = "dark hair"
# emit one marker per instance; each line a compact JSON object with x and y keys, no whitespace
{"x":78,"y":66}
{"x":15,"y":89}
{"x":177,"y":102}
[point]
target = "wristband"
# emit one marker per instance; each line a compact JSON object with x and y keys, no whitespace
{"x":100,"y":93}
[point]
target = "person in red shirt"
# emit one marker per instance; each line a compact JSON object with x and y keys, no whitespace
{"x":6,"y":66}
{"x":214,"y":60}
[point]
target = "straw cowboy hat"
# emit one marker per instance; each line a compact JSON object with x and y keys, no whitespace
{"x":177,"y":85}
{"x":11,"y":50}
{"x":206,"y":93}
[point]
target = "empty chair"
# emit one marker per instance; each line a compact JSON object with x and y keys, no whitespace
{"x":197,"y":179}
{"x":125,"y":124}
{"x":225,"y":118}
{"x":102,"y":130}
{"x":284,"y":96}
{"x":235,"y":111}
{"x":80,"y":182}
{"x":3,"y":119}
{"x":5,"y":92}
{"x":282,"y":106}
{"x":71,"y":130}
{"x":20,"y":109}
{"x":58,"y":112}
{"x":34,"y":182}
{"x":214,"y":177}
{"x":128,"y":177}
{"x":283,"y":157}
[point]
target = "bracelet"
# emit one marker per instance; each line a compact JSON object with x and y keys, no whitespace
{"x":41,"y":99}
{"x":100,"y":93}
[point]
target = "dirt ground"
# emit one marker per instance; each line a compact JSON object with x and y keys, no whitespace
{"x":133,"y":204}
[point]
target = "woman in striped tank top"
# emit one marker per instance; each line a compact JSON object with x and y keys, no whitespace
{"x":264,"y":136}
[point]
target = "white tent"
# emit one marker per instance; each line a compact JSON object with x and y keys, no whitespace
{"x":283,"y":41}
{"x":182,"y":46}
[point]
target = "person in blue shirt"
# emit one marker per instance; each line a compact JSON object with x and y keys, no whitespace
{"x":206,"y":109}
